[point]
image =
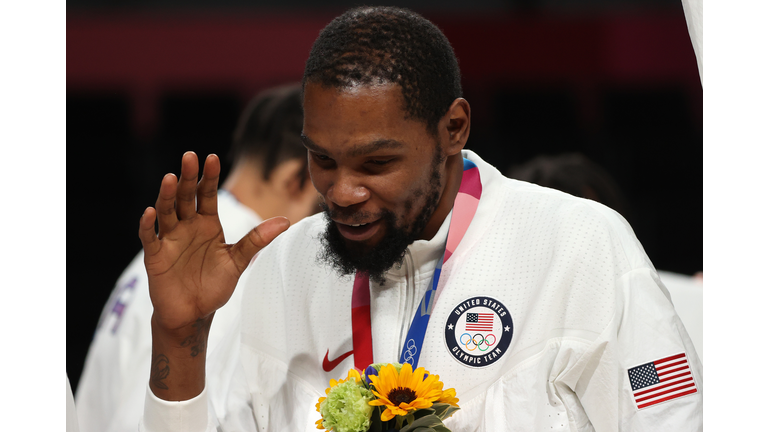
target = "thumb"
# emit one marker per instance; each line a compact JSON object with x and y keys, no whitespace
{"x":257,"y":239}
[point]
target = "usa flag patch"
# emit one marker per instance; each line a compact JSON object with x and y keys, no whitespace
{"x":661,"y":380}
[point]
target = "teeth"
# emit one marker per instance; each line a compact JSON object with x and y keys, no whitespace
{"x":359,"y":225}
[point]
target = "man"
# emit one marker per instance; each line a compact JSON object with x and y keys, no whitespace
{"x":269,"y":178}
{"x":554,"y":291}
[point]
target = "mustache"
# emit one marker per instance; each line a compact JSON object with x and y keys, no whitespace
{"x":350,"y":215}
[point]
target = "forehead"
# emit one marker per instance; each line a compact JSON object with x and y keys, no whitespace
{"x":340,"y":118}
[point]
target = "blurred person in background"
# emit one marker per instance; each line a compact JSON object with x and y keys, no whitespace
{"x":575,"y":174}
{"x":269,"y":177}
{"x":415,"y":228}
{"x":579,"y":176}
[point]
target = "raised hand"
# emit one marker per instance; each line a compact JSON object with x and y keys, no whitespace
{"x":192,"y":272}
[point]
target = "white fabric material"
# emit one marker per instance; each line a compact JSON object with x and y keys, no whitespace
{"x":179,"y":416}
{"x":72,"y":423}
{"x":694,"y":17}
{"x":688,"y":298}
{"x":585,"y":301}
{"x":110,"y":395}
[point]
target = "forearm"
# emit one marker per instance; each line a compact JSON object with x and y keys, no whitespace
{"x":178,"y":360}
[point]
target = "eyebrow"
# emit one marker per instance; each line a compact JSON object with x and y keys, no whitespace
{"x":358,"y":150}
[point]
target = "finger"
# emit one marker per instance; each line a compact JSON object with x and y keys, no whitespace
{"x":165,"y":207}
{"x":207,"y":188}
{"x":257,"y":239}
{"x":185,"y":193}
{"x":149,"y":240}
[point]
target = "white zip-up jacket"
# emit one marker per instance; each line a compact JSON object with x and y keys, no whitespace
{"x":550,"y":318}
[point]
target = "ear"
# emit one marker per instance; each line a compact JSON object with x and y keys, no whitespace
{"x":455,"y":126}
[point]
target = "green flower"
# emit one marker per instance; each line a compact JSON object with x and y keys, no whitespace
{"x":346,"y":409}
{"x":378,"y":366}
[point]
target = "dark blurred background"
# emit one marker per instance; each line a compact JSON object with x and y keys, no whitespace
{"x":615,"y":80}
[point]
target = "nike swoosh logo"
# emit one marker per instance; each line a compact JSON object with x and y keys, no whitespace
{"x":331,"y":365}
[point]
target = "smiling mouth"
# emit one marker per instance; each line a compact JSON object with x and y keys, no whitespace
{"x":360,"y":231}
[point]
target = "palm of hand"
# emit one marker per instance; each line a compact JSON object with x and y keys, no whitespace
{"x":192,"y":272}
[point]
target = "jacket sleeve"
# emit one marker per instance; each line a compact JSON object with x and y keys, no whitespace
{"x":72,"y":424}
{"x":189,"y":416}
{"x":642,"y":373}
{"x":110,"y":394}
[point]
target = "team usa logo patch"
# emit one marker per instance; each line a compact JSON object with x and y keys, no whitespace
{"x":478,"y":331}
{"x":661,"y":381}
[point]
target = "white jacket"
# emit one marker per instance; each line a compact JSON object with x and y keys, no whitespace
{"x":578,"y":313}
{"x":112,"y":387}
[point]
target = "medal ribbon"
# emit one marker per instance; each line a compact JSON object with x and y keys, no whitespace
{"x":464,"y":208}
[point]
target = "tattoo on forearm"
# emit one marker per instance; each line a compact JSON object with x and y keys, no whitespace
{"x":196,"y":342}
{"x":160,"y":370}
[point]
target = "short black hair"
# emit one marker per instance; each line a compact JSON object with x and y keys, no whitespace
{"x":377,"y":45}
{"x":269,"y":129}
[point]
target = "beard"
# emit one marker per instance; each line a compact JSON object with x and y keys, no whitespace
{"x":347,"y":257}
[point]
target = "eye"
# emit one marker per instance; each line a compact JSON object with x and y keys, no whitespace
{"x":380,"y":162}
{"x":320,"y":157}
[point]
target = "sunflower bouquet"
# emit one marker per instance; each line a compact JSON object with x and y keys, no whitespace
{"x":387,"y":397}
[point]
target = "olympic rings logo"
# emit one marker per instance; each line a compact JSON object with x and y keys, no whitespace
{"x":410,"y":350}
{"x":477,"y":344}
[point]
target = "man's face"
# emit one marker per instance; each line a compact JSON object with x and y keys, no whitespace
{"x":380,"y":174}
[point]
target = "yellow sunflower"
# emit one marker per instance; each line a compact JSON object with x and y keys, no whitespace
{"x":352,"y":374}
{"x":402,"y":392}
{"x":447,"y":396}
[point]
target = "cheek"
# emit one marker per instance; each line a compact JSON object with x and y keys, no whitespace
{"x":393,"y":190}
{"x":319,"y":178}
{"x":410,"y":201}
{"x":428,"y":188}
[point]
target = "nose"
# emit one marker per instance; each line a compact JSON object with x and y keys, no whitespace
{"x":347,"y":191}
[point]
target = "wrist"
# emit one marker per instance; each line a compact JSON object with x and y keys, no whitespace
{"x":178,"y":360}
{"x":190,"y":339}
